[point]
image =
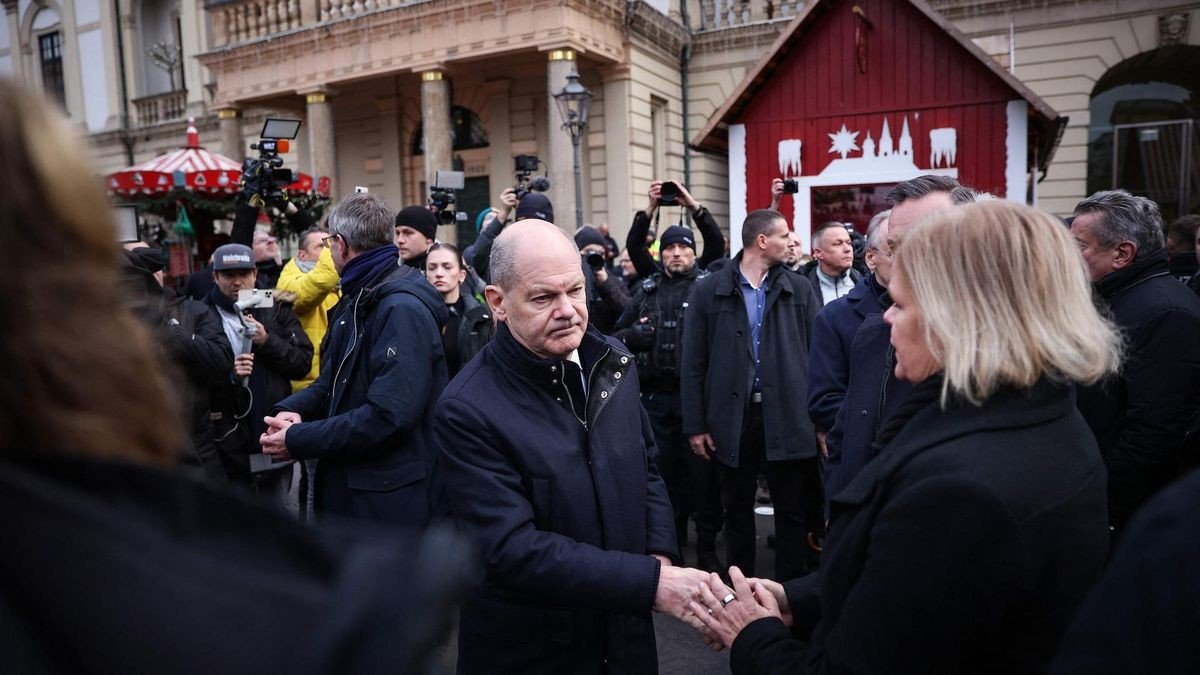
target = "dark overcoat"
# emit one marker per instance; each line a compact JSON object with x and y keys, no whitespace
{"x":367,"y":417}
{"x":717,"y":372}
{"x":566,"y":514}
{"x":1141,"y":416}
{"x":964,"y":547}
{"x":830,"y":353}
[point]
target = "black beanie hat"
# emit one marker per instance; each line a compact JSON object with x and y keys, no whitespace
{"x":535,"y":205}
{"x":418,"y":218}
{"x":677,"y":234}
{"x":588,"y":235}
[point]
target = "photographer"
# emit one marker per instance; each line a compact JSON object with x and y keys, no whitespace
{"x":652,"y":327}
{"x":607,"y":297}
{"x":519,"y":202}
{"x":710,"y":232}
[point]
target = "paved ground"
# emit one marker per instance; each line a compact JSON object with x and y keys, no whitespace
{"x":680,"y":650}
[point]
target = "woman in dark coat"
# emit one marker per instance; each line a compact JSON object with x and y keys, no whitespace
{"x":967,"y":543}
{"x":470,"y":325}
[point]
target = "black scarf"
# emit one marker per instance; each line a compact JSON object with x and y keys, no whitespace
{"x":219,"y":299}
{"x":1153,"y":265}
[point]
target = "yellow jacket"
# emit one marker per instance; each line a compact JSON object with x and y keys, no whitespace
{"x":315,"y":294}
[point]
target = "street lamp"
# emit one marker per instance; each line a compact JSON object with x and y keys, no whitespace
{"x":573,"y":103}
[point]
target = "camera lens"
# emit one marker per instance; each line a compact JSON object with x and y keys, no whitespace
{"x":595,"y":260}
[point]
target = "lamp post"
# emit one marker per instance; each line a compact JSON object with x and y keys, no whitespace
{"x":573,"y":103}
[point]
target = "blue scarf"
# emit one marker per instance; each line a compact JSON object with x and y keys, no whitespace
{"x":366,"y":266}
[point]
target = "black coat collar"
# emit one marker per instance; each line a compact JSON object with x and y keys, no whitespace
{"x":1153,"y":265}
{"x":1008,"y":408}
{"x":729,"y":278}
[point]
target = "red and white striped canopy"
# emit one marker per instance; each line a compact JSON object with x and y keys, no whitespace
{"x":197,"y":169}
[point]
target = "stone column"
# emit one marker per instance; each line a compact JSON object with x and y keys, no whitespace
{"x":500,"y":169}
{"x":322,"y":150}
{"x":622,"y":193}
{"x":230,"y":122}
{"x":435,"y":119}
{"x":560,"y":155}
{"x":439,"y":146}
{"x":12,"y":20}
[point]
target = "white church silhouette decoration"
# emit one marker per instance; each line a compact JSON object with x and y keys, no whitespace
{"x":884,"y":162}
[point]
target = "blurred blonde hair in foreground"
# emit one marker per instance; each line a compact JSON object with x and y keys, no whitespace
{"x":1005,"y":300}
{"x":81,"y":376}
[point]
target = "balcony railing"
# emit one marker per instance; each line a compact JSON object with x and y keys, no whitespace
{"x":237,"y":21}
{"x":160,"y":107}
{"x":721,"y":14}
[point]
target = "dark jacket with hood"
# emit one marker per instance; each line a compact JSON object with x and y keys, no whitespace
{"x":965,"y":547}
{"x":367,"y":416}
{"x":1142,"y":416}
{"x":566,"y":511}
{"x":237,"y":409}
{"x":718,"y":364}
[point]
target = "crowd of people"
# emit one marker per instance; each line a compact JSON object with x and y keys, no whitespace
{"x":973,"y":421}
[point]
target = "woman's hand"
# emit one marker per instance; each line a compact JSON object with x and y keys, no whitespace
{"x":721,"y":613}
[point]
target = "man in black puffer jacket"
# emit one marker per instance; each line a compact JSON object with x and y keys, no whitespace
{"x":1142,"y":416}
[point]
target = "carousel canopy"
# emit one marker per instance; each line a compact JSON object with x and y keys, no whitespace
{"x":192,"y":168}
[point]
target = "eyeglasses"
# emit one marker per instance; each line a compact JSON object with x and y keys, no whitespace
{"x":326,"y":241}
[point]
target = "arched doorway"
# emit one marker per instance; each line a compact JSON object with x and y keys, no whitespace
{"x":1144,"y":131}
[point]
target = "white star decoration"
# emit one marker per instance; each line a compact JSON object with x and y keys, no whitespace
{"x":843,"y":141}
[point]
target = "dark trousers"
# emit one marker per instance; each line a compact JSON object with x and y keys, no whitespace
{"x":795,"y":493}
{"x":692,"y":483}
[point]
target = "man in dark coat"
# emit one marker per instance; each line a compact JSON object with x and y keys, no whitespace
{"x":279,"y":353}
{"x":367,"y":416}
{"x":873,"y":393}
{"x":1142,"y":416}
{"x":548,"y":464}
{"x":747,"y":330}
{"x":832,"y":348}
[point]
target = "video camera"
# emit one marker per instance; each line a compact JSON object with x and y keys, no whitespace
{"x":524,"y":166}
{"x":264,"y":178}
{"x":668,"y":194}
{"x":443,"y":195}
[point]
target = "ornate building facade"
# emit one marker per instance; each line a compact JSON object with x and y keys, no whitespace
{"x":393,"y":90}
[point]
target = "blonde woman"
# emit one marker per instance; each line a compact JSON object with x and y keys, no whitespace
{"x":967,"y":543}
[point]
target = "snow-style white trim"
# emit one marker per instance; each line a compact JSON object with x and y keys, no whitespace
{"x":1016,"y":150}
{"x":737,"y":185}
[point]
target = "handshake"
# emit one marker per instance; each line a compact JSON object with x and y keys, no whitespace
{"x":701,"y":600}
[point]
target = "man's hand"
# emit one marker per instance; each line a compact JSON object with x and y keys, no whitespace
{"x":776,"y":193}
{"x":260,"y":331}
{"x":601,"y":274}
{"x":686,"y":199}
{"x":703,"y":445}
{"x":676,"y":588}
{"x":274,"y":440}
{"x":243,"y":365}
{"x":654,"y":193}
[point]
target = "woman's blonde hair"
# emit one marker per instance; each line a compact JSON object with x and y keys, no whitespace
{"x":81,"y":376}
{"x":1005,"y":300}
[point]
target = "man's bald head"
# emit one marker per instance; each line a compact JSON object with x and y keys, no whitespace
{"x":523,"y":239}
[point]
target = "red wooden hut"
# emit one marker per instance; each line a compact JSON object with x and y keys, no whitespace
{"x":858,"y":95}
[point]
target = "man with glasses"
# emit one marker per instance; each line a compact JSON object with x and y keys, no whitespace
{"x":871,"y":392}
{"x":310,"y":282}
{"x":366,"y":418}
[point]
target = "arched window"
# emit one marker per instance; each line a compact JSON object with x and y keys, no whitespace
{"x":466,"y":132}
{"x":1144,"y":134}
